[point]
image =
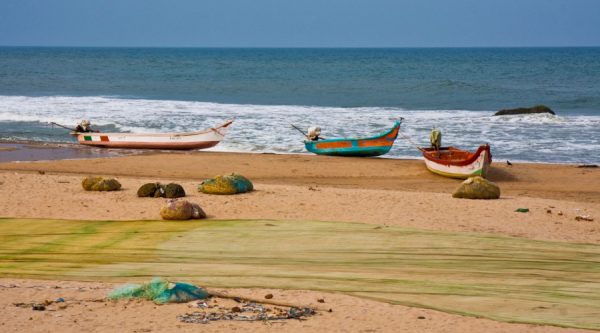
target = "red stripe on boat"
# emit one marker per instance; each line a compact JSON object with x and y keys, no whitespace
{"x":375,"y":143}
{"x":455,"y":156}
{"x":336,"y":144}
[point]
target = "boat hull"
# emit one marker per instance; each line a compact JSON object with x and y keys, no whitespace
{"x":473,"y":164}
{"x":364,"y":147}
{"x":171,"y":141}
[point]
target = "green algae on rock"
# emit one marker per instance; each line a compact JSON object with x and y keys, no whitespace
{"x":477,"y":188}
{"x":176,"y":209}
{"x":100,"y":184}
{"x":228,"y":184}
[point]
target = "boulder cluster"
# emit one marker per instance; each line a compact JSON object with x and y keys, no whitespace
{"x":158,"y":190}
{"x":176,"y":209}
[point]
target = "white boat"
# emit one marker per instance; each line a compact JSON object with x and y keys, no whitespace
{"x":458,"y":163}
{"x":190,"y":140}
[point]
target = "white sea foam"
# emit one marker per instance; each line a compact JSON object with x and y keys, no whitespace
{"x":266,"y":128}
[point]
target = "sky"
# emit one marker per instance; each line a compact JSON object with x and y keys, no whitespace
{"x":300,"y":23}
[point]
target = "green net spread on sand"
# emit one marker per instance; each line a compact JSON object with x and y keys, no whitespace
{"x":509,"y":279}
{"x":160,"y":291}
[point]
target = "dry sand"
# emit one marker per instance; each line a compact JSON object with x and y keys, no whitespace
{"x":86,"y":310}
{"x":299,"y":187}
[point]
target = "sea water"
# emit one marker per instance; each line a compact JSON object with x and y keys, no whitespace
{"x":347,"y":92}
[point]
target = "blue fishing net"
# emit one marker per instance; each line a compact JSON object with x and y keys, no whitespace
{"x":160,"y":291}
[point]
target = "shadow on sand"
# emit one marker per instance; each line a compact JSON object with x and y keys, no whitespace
{"x":500,"y":175}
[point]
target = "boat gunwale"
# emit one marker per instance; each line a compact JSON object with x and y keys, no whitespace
{"x":184,"y":134}
{"x":375,"y":137}
{"x":427,"y":154}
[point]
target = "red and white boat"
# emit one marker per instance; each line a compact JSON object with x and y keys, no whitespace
{"x":190,"y":140}
{"x":458,"y":163}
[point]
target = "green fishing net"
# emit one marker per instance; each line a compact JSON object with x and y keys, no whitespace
{"x":160,"y":291}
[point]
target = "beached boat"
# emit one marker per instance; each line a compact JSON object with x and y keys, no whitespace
{"x":458,"y":163}
{"x":190,"y":140}
{"x":372,"y":146}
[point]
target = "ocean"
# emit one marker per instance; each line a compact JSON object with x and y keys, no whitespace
{"x":347,"y":92}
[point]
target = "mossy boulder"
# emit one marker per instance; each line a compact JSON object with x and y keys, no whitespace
{"x":477,"y":188}
{"x":534,"y":109}
{"x":110,"y":184}
{"x":158,"y":190}
{"x":178,"y":209}
{"x":100,"y":184}
{"x":228,"y":184}
{"x":88,"y":182}
{"x":173,"y":190}
{"x":147,"y":190}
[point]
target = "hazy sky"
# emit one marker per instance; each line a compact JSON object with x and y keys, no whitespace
{"x":300,"y":23}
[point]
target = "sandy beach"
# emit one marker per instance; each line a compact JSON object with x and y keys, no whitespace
{"x":380,"y":192}
{"x":284,"y":166}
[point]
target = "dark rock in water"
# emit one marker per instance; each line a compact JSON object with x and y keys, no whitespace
{"x":147,"y":190}
{"x":535,"y":109}
{"x":100,"y":184}
{"x":173,"y":190}
{"x":477,"y":188}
